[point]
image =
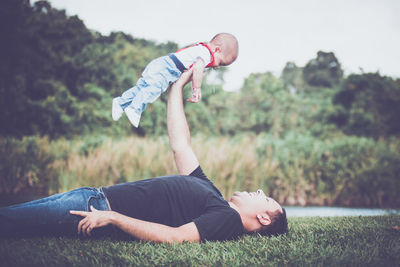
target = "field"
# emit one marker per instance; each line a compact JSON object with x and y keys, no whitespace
{"x":313,"y":241}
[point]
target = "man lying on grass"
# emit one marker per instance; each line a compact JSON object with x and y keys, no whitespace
{"x":177,"y":208}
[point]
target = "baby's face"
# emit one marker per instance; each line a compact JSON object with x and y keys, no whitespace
{"x":223,"y":59}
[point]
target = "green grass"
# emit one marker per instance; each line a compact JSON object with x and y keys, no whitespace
{"x":328,"y":241}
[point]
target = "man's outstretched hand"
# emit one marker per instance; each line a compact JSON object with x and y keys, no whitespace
{"x":184,"y":78}
{"x":92,"y":219}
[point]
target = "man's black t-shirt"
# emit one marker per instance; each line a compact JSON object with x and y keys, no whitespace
{"x":177,"y":200}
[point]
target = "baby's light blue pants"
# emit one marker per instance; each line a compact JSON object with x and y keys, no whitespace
{"x":158,"y":75}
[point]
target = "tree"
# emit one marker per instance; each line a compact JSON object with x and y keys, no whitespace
{"x":368,"y":105}
{"x":324,"y":71}
{"x":265,"y":105}
{"x":292,"y":76}
{"x":58,"y":78}
{"x":40,"y":43}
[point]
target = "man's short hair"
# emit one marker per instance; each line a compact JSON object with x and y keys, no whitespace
{"x":278,"y":225}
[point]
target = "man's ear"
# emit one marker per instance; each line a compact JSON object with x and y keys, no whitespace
{"x":263,"y":219}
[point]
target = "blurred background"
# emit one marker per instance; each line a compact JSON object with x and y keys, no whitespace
{"x":309,"y":112}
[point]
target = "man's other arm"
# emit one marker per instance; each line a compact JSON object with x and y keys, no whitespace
{"x":178,"y":129}
{"x":156,"y":232}
{"x":140,"y":229}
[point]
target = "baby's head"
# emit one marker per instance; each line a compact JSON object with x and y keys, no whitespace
{"x":225,"y":47}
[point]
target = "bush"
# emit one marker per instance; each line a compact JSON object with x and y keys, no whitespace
{"x":343,"y":171}
{"x":25,"y":165}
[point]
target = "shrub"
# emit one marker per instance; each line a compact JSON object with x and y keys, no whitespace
{"x":25,"y":165}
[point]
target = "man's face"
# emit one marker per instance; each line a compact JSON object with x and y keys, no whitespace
{"x":255,"y":202}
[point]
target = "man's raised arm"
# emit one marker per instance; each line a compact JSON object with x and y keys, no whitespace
{"x":178,"y":129}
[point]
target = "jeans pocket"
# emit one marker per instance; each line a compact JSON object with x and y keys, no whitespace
{"x":98,"y":202}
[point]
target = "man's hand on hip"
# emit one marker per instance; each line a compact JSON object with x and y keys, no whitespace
{"x":92,"y":219}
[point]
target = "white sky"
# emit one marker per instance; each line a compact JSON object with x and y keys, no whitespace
{"x":362,"y":33}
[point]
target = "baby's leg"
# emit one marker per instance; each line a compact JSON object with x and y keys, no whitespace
{"x":126,"y":98}
{"x":156,"y":79}
{"x":121,"y":103}
{"x":148,"y":93}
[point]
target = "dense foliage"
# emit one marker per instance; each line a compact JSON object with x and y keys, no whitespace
{"x":58,"y":79}
{"x":333,"y":137}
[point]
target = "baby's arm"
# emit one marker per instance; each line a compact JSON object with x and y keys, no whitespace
{"x":197,"y":78}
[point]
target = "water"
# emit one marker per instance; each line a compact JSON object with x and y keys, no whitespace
{"x":293,"y":211}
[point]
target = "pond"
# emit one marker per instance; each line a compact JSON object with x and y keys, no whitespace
{"x":293,"y":211}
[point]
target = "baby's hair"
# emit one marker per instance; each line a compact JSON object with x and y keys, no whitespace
{"x":220,"y":37}
{"x":228,"y":42}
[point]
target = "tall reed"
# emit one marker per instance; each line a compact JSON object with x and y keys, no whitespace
{"x":296,"y":170}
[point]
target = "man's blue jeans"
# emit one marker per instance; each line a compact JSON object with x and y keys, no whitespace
{"x":50,"y":216}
